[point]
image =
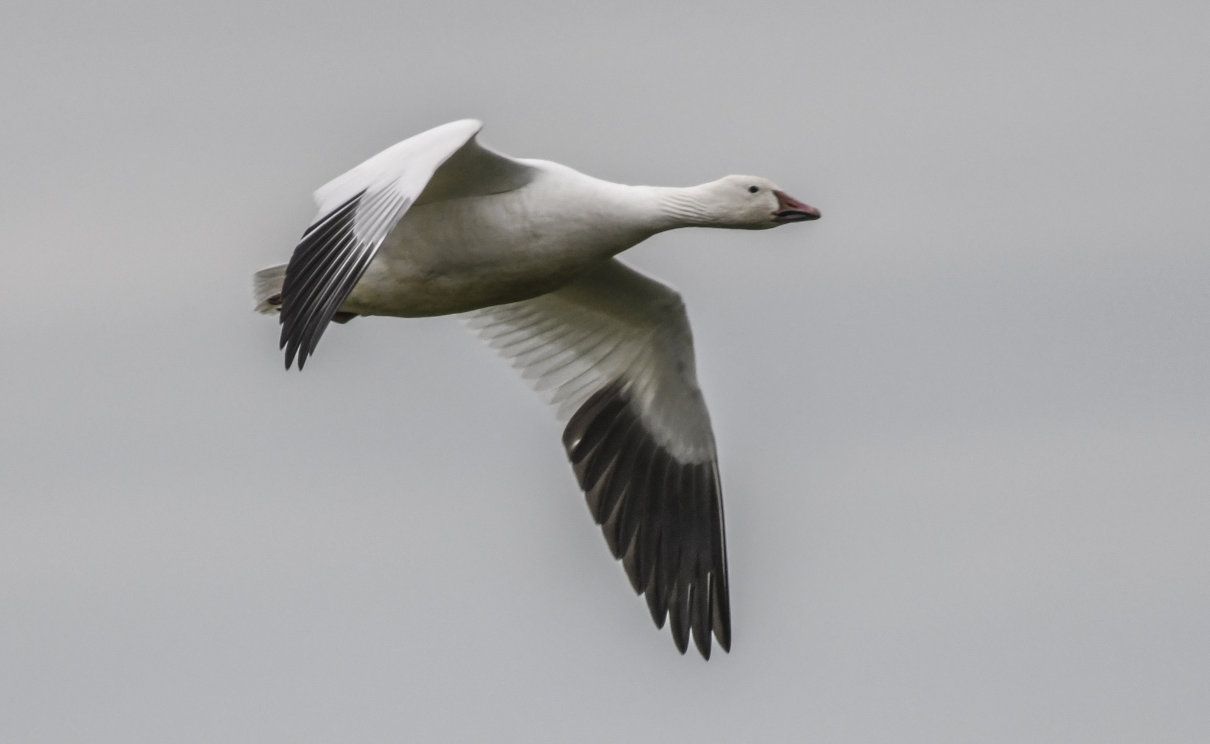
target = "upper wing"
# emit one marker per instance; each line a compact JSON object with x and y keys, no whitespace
{"x":358,"y":209}
{"x":615,"y":353}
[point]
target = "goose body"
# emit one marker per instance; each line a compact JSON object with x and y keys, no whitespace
{"x":463,"y":254}
{"x":438,"y":224}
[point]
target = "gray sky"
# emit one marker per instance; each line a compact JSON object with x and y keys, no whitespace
{"x":964,"y":419}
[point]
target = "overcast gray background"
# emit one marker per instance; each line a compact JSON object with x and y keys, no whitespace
{"x":964,"y":419}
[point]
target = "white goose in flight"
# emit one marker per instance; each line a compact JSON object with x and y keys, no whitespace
{"x":439,"y":224}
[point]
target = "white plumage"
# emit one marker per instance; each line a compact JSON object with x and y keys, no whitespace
{"x":439,"y":224}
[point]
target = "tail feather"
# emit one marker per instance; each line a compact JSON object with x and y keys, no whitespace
{"x":266,"y":288}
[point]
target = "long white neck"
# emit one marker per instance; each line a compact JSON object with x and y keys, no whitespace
{"x":660,"y":208}
{"x":682,"y":206}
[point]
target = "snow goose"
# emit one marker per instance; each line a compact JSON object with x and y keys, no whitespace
{"x":439,"y":224}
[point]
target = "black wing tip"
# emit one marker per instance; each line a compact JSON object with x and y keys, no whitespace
{"x":292,"y":352}
{"x":678,"y":617}
{"x":702,"y":641}
{"x":703,"y":634}
{"x":661,"y":517}
{"x":291,"y":360}
{"x":327,"y":263}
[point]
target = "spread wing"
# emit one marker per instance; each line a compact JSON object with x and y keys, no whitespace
{"x":358,"y":209}
{"x":614,"y":352}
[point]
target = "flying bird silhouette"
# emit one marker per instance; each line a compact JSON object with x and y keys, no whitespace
{"x":438,"y":224}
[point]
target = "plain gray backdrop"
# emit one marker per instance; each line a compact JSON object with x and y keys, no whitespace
{"x":964,"y":420}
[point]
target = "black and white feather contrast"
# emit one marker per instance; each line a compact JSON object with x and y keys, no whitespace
{"x":328,"y":262}
{"x":438,"y":224}
{"x":661,"y":517}
{"x":614,"y":352}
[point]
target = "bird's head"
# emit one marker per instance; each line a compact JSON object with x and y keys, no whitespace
{"x":751,"y":203}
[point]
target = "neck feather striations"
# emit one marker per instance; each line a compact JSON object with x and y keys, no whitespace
{"x":659,"y":208}
{"x":668,"y":207}
{"x":682,"y":207}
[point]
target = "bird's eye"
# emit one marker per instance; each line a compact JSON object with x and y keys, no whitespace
{"x":753,"y":189}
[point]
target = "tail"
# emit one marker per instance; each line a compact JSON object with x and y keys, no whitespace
{"x":266,"y":288}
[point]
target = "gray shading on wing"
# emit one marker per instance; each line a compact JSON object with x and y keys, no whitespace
{"x":614,"y":352}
